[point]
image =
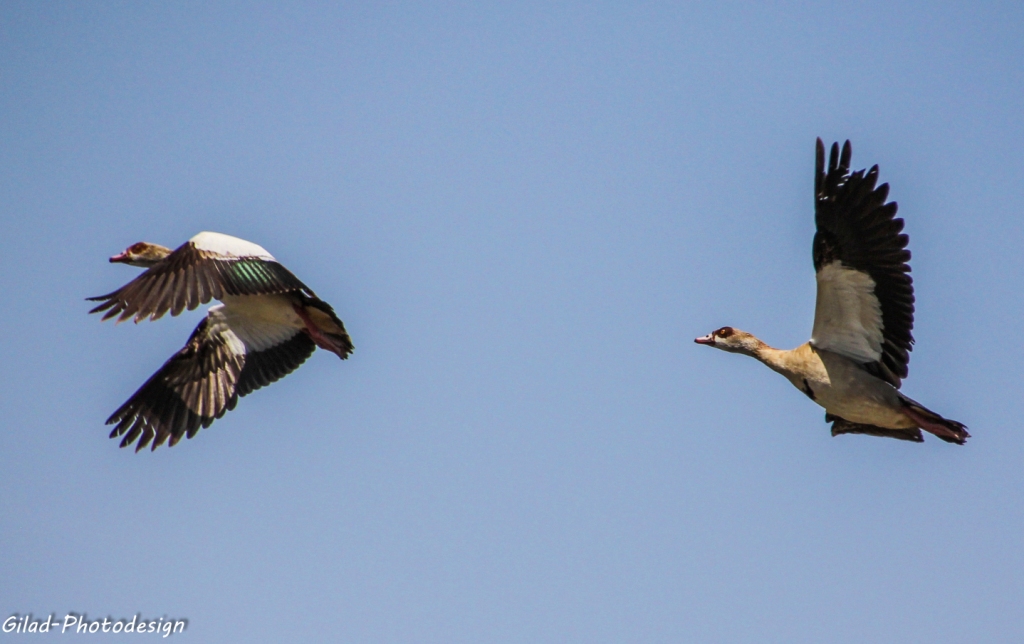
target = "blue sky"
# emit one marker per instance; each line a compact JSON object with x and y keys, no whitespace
{"x":524,"y":213}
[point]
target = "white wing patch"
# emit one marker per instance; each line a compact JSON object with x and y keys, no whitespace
{"x":260,"y":336}
{"x":260,"y":322}
{"x":229,"y":246}
{"x":847,"y":314}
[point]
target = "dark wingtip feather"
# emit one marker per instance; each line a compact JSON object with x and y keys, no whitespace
{"x":100,"y":298}
{"x":101,"y":307}
{"x":819,"y":166}
{"x":131,"y":436}
{"x":844,"y":161}
{"x":147,"y":435}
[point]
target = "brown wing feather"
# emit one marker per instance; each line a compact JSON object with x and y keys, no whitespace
{"x":202,"y":382}
{"x":189,"y":277}
{"x":194,"y":387}
{"x":856,"y":226}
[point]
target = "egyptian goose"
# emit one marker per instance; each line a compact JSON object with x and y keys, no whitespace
{"x":267,"y":324}
{"x":860,"y":344}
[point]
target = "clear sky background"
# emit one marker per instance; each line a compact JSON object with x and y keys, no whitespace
{"x":524,"y":213}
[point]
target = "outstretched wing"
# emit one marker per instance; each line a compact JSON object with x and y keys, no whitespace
{"x":194,"y":275}
{"x":865,"y":302}
{"x":222,"y":361}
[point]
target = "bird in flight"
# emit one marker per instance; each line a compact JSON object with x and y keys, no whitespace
{"x":860,"y":344}
{"x":266,"y":325}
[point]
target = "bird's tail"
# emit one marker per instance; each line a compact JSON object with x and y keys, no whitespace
{"x":948,"y":430}
{"x":324,"y":327}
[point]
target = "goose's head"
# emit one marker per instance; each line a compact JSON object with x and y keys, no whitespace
{"x":731,"y":340}
{"x":142,"y":254}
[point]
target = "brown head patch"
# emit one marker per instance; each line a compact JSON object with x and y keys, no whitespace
{"x":724,"y":332}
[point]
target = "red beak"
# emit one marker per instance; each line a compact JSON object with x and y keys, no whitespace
{"x":120,"y":258}
{"x":707,"y":339}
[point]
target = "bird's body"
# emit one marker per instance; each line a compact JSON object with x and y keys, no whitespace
{"x":839,"y":385}
{"x":860,"y":345}
{"x":267,"y":324}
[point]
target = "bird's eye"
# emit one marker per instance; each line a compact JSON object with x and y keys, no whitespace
{"x":724,"y":332}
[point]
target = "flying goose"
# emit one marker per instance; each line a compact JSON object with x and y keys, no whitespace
{"x":860,"y":343}
{"x":267,"y":324}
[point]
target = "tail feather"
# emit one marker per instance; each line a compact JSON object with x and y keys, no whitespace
{"x":948,"y":430}
{"x":339,"y":343}
{"x":329,"y":333}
